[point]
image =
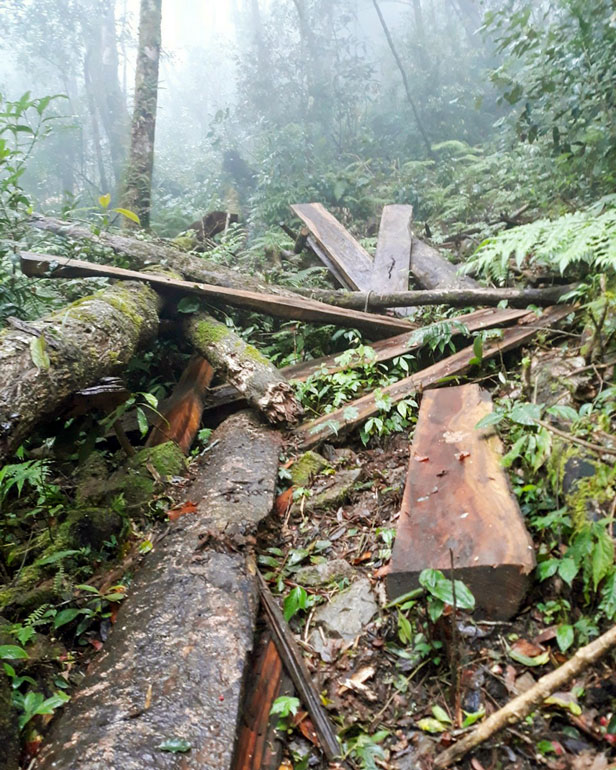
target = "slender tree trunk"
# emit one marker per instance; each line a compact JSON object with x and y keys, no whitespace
{"x":405,"y":81}
{"x":96,"y":137}
{"x":138,"y":192}
{"x":109,"y":92}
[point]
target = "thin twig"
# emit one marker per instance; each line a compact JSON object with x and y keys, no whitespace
{"x":527,"y":702}
{"x":601,"y":450}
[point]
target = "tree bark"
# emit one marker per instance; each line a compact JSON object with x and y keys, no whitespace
{"x":256,"y":378}
{"x":176,"y":660}
{"x":432,"y":271}
{"x":138,"y":192}
{"x":45,"y":361}
{"x":452,"y":297}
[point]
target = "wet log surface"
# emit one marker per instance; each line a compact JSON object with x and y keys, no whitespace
{"x":457,"y":499}
{"x":348,"y":261}
{"x":451,"y":297}
{"x":432,"y":271}
{"x":175,"y":662}
{"x":340,"y":421}
{"x":43,"y":362}
{"x":294,"y":307}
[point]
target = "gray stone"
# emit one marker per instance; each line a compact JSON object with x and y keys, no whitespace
{"x":348,"y":612}
{"x":337,"y":489}
{"x":320,"y":574}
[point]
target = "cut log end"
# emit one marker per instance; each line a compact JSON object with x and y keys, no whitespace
{"x":279,"y":404}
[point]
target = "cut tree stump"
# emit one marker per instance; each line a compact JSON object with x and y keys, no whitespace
{"x":349,"y":262}
{"x":457,"y":501}
{"x":176,"y":660}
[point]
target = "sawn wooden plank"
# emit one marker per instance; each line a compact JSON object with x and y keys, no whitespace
{"x":457,"y":504}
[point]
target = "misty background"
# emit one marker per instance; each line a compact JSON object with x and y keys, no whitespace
{"x":267,"y":102}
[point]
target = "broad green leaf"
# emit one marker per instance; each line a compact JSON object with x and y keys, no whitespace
{"x":490,"y":419}
{"x":566,"y":412}
{"x":296,"y":600}
{"x":439,"y":713}
{"x":430,"y":725}
{"x":564,"y":636}
{"x":526,"y":414}
{"x":128,"y":214}
{"x":66,"y":616}
{"x":441,"y":587}
{"x":285,"y":705}
{"x":189,"y":305}
{"x":567,"y":569}
{"x":38,"y":353}
{"x":12,"y":652}
{"x":104,"y":200}
{"x":55,"y":557}
{"x":546,"y":569}
{"x":471,"y":717}
{"x":602,"y":558}
{"x":142,"y":421}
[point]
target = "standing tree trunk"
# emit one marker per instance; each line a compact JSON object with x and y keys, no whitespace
{"x":138,"y":190}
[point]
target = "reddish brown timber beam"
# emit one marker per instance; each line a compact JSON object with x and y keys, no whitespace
{"x":457,"y":503}
{"x":384,"y":350}
{"x":452,"y":297}
{"x":355,"y":412}
{"x":348,"y":261}
{"x":296,"y":308}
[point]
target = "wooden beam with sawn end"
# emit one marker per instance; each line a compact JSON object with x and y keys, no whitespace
{"x":457,"y":500}
{"x":349,"y":262}
{"x":392,"y":260}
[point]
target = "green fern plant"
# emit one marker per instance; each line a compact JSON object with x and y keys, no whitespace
{"x":586,"y":237}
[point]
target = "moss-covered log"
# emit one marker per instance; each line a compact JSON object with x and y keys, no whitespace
{"x":44,"y":361}
{"x":256,"y":378}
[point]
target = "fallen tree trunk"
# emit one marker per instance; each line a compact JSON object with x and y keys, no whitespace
{"x":43,"y":362}
{"x":146,"y":253}
{"x":353,"y":413}
{"x":296,"y":307}
{"x":250,"y":372}
{"x":527,"y":702}
{"x":451,"y":297}
{"x":174,"y":666}
{"x":433,"y":271}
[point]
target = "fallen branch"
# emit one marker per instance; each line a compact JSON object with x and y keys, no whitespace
{"x":524,"y":704}
{"x":294,"y":307}
{"x":452,"y":297}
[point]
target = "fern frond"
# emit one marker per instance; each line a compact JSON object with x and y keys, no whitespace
{"x":584,"y":237}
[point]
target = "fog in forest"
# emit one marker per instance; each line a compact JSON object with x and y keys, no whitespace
{"x":262,"y":102}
